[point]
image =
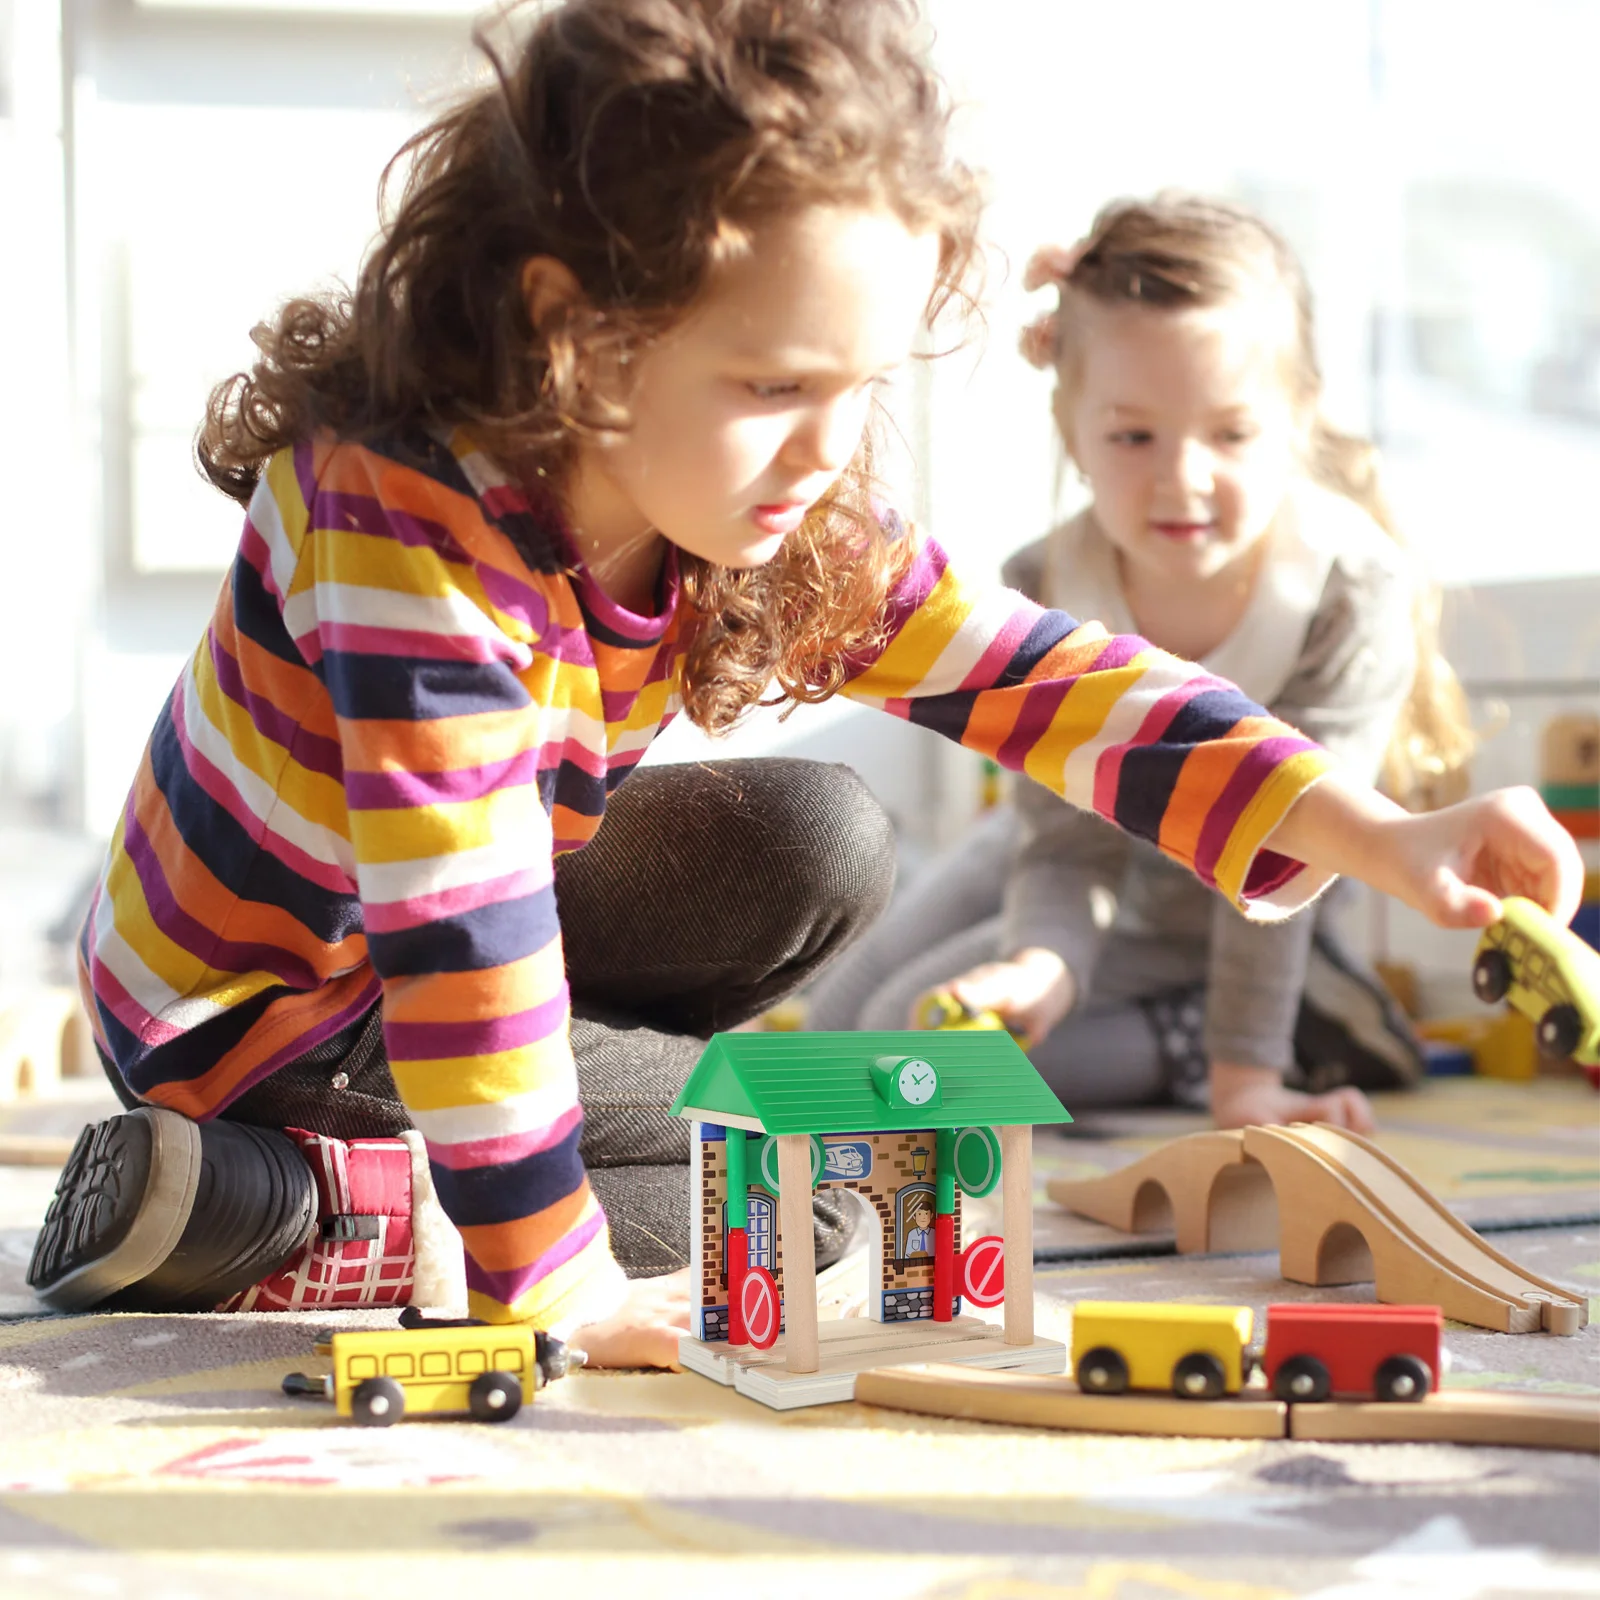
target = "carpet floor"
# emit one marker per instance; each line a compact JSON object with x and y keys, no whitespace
{"x":155,"y":1456}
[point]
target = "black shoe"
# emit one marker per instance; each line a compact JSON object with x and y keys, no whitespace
{"x":1350,"y":1029}
{"x":154,"y":1212}
{"x":835,"y":1216}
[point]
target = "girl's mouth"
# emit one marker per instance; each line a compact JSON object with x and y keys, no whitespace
{"x":1182,"y":530}
{"x":781,"y":518}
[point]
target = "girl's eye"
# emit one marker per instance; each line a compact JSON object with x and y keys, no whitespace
{"x":773,"y":391}
{"x":1238,"y":435}
{"x":1132,"y":436}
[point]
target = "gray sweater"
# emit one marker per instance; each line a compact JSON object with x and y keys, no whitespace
{"x":1328,"y":644}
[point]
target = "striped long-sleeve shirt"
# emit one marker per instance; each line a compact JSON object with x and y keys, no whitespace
{"x":412,"y":696}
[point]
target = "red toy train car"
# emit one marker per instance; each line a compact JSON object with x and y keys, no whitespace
{"x":1385,"y":1352}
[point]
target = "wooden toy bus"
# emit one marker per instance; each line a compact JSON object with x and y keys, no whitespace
{"x":1312,"y":1351}
{"x":1546,"y":972}
{"x":428,"y":1367}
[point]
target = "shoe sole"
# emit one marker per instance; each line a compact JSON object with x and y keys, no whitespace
{"x":119,"y":1221}
{"x":1345,"y":1008}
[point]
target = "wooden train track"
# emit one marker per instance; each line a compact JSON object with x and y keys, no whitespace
{"x":1474,"y":1416}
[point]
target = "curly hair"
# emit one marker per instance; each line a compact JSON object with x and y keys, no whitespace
{"x":638,"y":143}
{"x":1180,"y":252}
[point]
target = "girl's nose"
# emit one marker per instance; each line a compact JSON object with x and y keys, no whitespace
{"x":1192,"y":467}
{"x":826,"y":438}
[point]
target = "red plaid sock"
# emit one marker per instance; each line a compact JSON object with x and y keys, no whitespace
{"x":362,"y":1252}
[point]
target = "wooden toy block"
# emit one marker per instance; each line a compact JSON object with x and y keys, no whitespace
{"x":1571,"y":796}
{"x":42,"y":1040}
{"x":34,"y":1150}
{"x":1500,"y":1046}
{"x":1468,"y":1416}
{"x":1023,"y":1401}
{"x":1218,"y":1200}
{"x":1344,"y":1211}
{"x":1569,"y":749}
{"x":1582,"y":823}
{"x":1348,"y":1212}
{"x":855,"y":1344}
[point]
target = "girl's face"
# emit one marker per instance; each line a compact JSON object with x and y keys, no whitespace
{"x":1182,"y":425}
{"x":746,"y":413}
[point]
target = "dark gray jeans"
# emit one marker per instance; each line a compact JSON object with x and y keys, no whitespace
{"x":711,"y":891}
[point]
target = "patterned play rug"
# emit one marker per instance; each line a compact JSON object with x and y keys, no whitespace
{"x":154,"y":1456}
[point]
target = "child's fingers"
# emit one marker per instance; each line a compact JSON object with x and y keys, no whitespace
{"x":1452,"y":902}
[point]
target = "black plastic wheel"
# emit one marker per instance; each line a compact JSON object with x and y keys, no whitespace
{"x":1559,"y":1031}
{"x":1406,"y":1378}
{"x":494,"y":1397}
{"x":1302,"y":1378}
{"x":1102,"y":1371}
{"x":378,"y":1402}
{"x":1491,"y":976}
{"x":1199,"y":1376}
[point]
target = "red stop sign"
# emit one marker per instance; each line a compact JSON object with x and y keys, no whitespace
{"x":981,"y":1271}
{"x":758,"y":1301}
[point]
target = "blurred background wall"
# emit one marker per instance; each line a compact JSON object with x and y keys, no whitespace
{"x":171,"y":169}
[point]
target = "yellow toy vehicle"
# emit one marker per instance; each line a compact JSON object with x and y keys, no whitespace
{"x":381,"y":1374}
{"x":941,"y":1009}
{"x":1548,"y":973}
{"x":1196,"y":1352}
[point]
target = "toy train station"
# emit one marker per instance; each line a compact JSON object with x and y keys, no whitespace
{"x":777,"y":1116}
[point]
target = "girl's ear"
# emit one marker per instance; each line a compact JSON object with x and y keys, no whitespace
{"x":548,"y":286}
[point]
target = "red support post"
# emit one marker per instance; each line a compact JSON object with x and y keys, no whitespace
{"x":944,"y":1266}
{"x":738,"y":1262}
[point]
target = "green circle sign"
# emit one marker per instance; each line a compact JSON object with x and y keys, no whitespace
{"x":977,"y":1161}
{"x":765,"y":1167}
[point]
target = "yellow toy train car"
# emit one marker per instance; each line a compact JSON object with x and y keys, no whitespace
{"x":1195,"y":1352}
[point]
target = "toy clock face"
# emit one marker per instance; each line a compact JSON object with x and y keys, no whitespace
{"x":916,"y":1080}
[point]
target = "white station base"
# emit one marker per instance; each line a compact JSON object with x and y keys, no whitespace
{"x":857,"y":1344}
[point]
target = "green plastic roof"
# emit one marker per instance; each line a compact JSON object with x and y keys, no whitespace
{"x":821,"y":1082}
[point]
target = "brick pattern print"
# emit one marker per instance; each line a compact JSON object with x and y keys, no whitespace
{"x":895,"y":1158}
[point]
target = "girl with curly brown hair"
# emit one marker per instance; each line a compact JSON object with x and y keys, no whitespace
{"x":588,"y":446}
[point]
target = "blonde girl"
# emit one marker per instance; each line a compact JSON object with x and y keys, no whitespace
{"x":1229,"y":522}
{"x":586,"y":448}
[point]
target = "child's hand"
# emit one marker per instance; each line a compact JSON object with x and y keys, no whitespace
{"x":1246,"y":1096}
{"x":644,"y":1332}
{"x":1461,"y":860}
{"x":1451,"y":865}
{"x":1030,"y":993}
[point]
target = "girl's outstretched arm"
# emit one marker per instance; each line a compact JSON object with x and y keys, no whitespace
{"x":1452,"y":865}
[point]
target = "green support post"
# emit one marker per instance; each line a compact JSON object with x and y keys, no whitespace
{"x":945,"y":1171}
{"x":738,"y":1180}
